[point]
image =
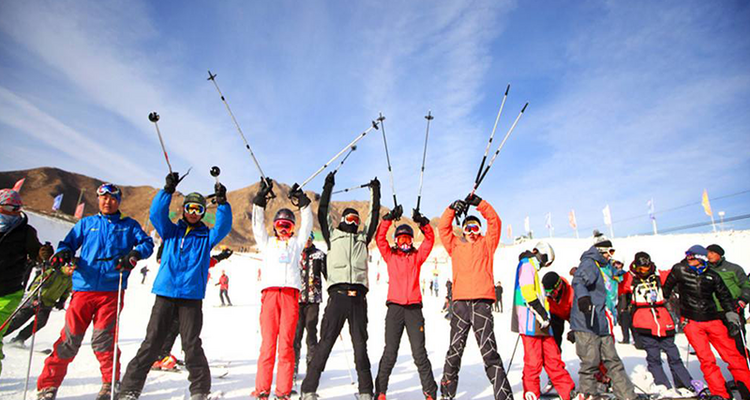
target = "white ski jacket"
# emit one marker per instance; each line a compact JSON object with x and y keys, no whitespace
{"x":281,"y":258}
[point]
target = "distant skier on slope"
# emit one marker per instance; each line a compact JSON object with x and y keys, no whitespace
{"x":473,"y":294}
{"x":280,"y":288}
{"x":95,"y":288}
{"x":347,"y":287}
{"x":404,"y":299}
{"x":180,"y":286}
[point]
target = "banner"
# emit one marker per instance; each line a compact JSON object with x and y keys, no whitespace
{"x":17,"y":186}
{"x":650,"y":205}
{"x":706,"y":204}
{"x":572,"y":219}
{"x":510,"y":231}
{"x":526,"y":225}
{"x":56,"y":203}
{"x":79,"y":211}
{"x":607,"y":215}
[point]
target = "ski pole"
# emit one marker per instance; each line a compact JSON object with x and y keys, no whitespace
{"x":510,"y":363}
{"x":492,"y":135}
{"x":744,"y":342}
{"x":23,"y":303}
{"x":388,"y":159}
{"x":348,"y":365}
{"x":117,"y":337}
{"x":429,"y":118}
{"x":492,"y":160}
{"x":351,"y":150}
{"x":33,"y":336}
{"x":357,"y":139}
{"x":351,"y":188}
{"x":212,"y":78}
{"x":154,"y":117}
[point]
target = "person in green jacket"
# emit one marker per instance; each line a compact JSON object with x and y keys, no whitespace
{"x":736,"y":280}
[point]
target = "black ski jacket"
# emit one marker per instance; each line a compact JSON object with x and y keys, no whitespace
{"x":697,"y":292}
{"x":16,"y":245}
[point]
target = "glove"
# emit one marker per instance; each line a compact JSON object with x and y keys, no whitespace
{"x":394,"y":214}
{"x":740,"y":305}
{"x":46,"y":251}
{"x":734,"y":322}
{"x":420,"y":219}
{"x":459,"y":206}
{"x":61,"y":258}
{"x":330,"y":180}
{"x":584,"y":304}
{"x":171,"y":182}
{"x":571,"y":336}
{"x":540,"y":312}
{"x":261,"y":198}
{"x":60,"y":305}
{"x":301,"y":198}
{"x":127,"y":263}
{"x":35,"y":303}
{"x":375,"y":184}
{"x":473,"y":200}
{"x":221,"y":193}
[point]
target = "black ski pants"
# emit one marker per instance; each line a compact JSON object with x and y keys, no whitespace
{"x":27,"y":313}
{"x":558,"y":328}
{"x":224,"y":293}
{"x":190,"y":314}
{"x":477,"y":315}
{"x":308,"y":320}
{"x":342,"y":307}
{"x":170,"y":338}
{"x":397,"y":318}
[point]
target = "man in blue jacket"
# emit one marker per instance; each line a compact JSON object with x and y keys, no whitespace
{"x":591,"y":324}
{"x":180,"y":286}
{"x":111,"y":244}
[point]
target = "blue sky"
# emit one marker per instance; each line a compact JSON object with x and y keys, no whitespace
{"x":628,"y":100}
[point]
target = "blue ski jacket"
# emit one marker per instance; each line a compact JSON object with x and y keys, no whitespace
{"x":589,"y":280}
{"x":183,"y":273}
{"x":102,"y":240}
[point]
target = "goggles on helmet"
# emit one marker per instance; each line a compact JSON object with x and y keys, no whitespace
{"x":351,"y":219}
{"x":472,"y":228}
{"x":194,"y":208}
{"x":283,"y":225}
{"x":109,"y":189}
{"x":554,"y":289}
{"x":692,"y":256}
{"x":404,"y":240}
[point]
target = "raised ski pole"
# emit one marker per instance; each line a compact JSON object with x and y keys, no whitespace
{"x":429,"y":118}
{"x":388,"y":160}
{"x":154,"y":117}
{"x":352,"y":188}
{"x":116,"y":338}
{"x":492,"y":135}
{"x":341,"y":164}
{"x":357,"y":139}
{"x":212,"y":78}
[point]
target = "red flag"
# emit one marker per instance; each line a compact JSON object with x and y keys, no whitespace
{"x":79,"y":211}
{"x":17,"y":186}
{"x":572,"y":219}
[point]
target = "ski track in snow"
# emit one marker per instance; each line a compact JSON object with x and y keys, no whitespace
{"x":231,"y":334}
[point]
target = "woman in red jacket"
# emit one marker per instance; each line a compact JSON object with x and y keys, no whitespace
{"x":404,"y":299}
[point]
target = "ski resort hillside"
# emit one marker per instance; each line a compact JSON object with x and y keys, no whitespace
{"x":231,"y":337}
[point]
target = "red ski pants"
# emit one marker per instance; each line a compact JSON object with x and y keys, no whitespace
{"x":279,"y":310}
{"x":85,"y":307}
{"x":542,"y":351}
{"x":703,"y":334}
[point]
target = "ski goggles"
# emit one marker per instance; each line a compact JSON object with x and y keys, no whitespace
{"x":404,"y":240}
{"x":351,"y":219}
{"x":283,"y":225}
{"x":692,"y":256}
{"x":11,"y":208}
{"x":472,"y":228}
{"x":110,"y":189}
{"x":551,"y":292}
{"x":194,"y":208}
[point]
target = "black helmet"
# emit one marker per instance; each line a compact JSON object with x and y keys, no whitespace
{"x":194,"y":197}
{"x":403,"y":230}
{"x":285,"y":214}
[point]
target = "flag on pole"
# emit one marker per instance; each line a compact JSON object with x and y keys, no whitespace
{"x":650,"y":205}
{"x":79,"y":211}
{"x":706,"y":204}
{"x":510,"y":231}
{"x":57,"y":202}
{"x":607,"y":215}
{"x":572,"y":219}
{"x":526,"y":225}
{"x":17,"y":186}
{"x":548,"y":220}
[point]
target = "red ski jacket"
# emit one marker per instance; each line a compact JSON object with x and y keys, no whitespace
{"x":650,"y":316}
{"x":224,"y":282}
{"x":560,"y":307}
{"x":404,"y":268}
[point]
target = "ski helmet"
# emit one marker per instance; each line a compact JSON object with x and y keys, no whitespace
{"x":403,"y":230}
{"x":546,"y":253}
{"x":285,"y":214}
{"x":471,"y":218}
{"x":642,"y":265}
{"x":196,"y":198}
{"x":10,"y":202}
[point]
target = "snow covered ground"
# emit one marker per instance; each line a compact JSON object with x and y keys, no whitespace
{"x":231,"y":334}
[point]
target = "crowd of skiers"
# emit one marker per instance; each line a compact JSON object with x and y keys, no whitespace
{"x":712,"y":294}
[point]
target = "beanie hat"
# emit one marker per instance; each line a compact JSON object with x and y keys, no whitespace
{"x":716,"y":249}
{"x":550,"y":280}
{"x":642,"y":259}
{"x":9,"y":197}
{"x":697,"y":250}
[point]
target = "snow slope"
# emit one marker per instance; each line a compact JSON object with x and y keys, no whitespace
{"x":232,"y":334}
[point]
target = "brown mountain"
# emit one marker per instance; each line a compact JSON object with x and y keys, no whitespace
{"x":43,"y":184}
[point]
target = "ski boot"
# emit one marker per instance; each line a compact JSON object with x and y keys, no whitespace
{"x":105,"y":393}
{"x":365,"y":396}
{"x":379,"y":396}
{"x":309,"y":396}
{"x":260,"y":396}
{"x":129,"y":395}
{"x":48,"y":393}
{"x":199,"y":396}
{"x":17,"y":343}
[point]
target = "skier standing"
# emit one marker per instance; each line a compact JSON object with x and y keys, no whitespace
{"x":111,"y":244}
{"x":18,"y":242}
{"x":592,"y":322}
{"x":698,"y":284}
{"x":280,"y":288}
{"x":738,"y":284}
{"x":404,"y":299}
{"x":531,"y":320}
{"x":347,"y":288}
{"x":499,"y":297}
{"x":312,"y":266}
{"x":473,"y":294}
{"x":224,"y":288}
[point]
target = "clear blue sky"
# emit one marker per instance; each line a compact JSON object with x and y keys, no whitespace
{"x":628,"y":100}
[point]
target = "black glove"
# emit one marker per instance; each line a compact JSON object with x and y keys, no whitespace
{"x":299,"y":196}
{"x":171,"y":181}
{"x":587,"y":308}
{"x":541,"y":313}
{"x":261,"y":198}
{"x":459,"y":206}
{"x":571,"y":336}
{"x":375,"y":184}
{"x":733,"y":319}
{"x":394,"y":214}
{"x":473,"y":200}
{"x":223,"y":255}
{"x":127,"y":263}
{"x":61,"y":258}
{"x":330,"y":180}
{"x":221,"y":193}
{"x":420,"y":219}
{"x":60,"y":305}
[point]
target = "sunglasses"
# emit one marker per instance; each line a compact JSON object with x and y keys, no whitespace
{"x":11,"y":208}
{"x":109,"y":189}
{"x":283,"y":225}
{"x":195,"y":209}
{"x":351,"y":219}
{"x":472,"y":228}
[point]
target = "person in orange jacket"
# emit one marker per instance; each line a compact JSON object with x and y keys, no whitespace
{"x":473,"y":293}
{"x":404,"y":299}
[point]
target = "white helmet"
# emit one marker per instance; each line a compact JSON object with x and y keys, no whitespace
{"x":546,"y":253}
